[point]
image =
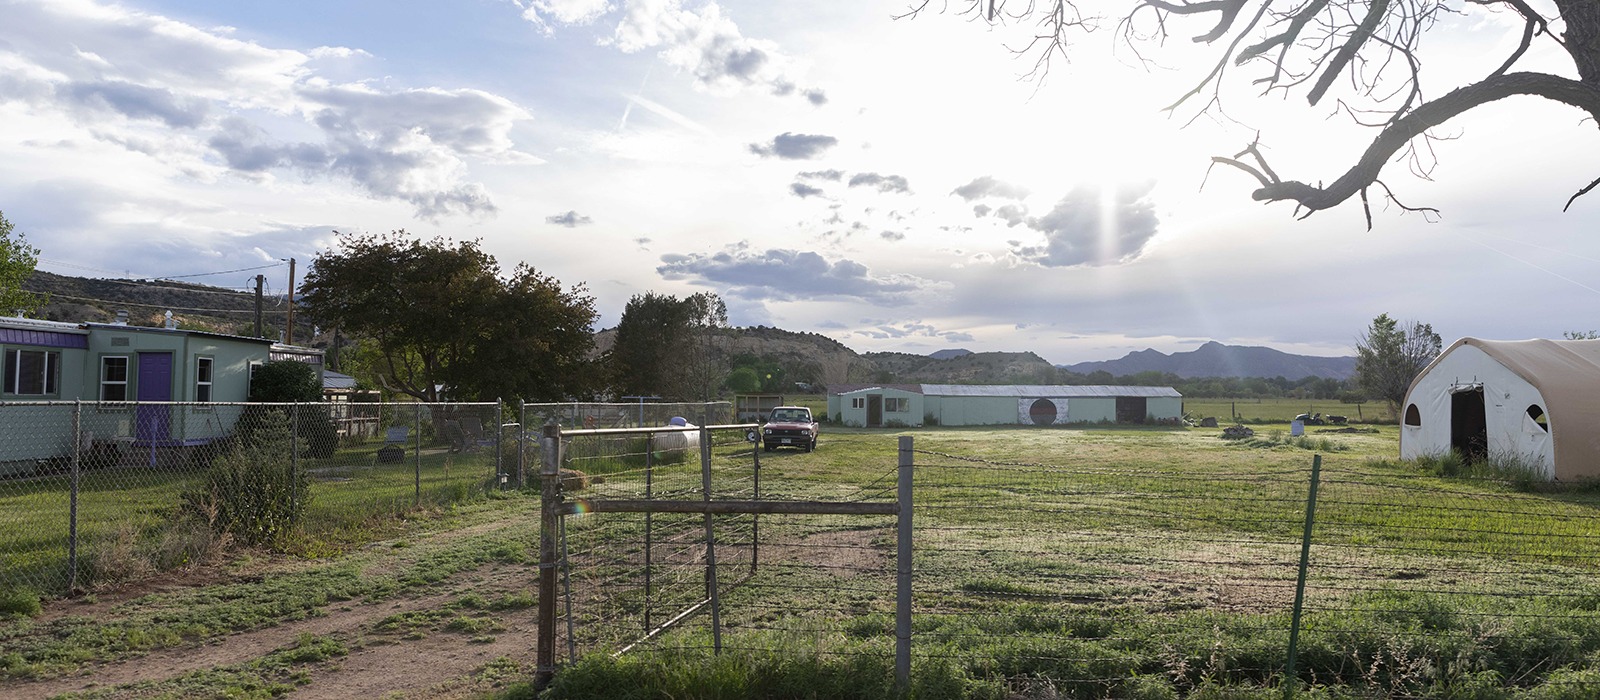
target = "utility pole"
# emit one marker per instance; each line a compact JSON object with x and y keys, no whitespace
{"x":289,"y":334}
{"x":260,"y":280}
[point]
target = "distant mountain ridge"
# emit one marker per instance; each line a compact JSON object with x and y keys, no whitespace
{"x":1215,"y":359}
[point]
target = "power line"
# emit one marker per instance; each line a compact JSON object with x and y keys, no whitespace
{"x":152,"y":285}
{"x":224,"y":272}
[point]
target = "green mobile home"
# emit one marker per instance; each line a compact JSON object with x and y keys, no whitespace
{"x":48,"y":361}
{"x":888,"y":406}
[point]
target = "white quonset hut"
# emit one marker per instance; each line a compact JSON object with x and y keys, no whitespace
{"x":1535,"y":401}
{"x":1004,"y":404}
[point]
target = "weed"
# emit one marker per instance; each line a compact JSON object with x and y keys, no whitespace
{"x":18,"y":603}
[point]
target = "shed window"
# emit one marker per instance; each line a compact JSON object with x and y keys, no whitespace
{"x":858,"y":402}
{"x":896,"y":405}
{"x":202,"y":379}
{"x":1539,"y":418}
{"x":114,"y":378}
{"x":32,"y":372}
{"x":1413,"y":416}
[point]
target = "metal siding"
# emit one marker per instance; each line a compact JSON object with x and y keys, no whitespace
{"x":1164,"y":408}
{"x":1048,"y":391}
{"x":46,"y":339}
{"x":1093,"y":410}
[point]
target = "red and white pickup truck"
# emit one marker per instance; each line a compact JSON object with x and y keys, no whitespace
{"x":789,"y":426}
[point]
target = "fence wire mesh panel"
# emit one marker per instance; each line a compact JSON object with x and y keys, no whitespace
{"x":1119,"y":581}
{"x":1477,"y":583}
{"x":100,"y":492}
{"x":1088,"y":576}
{"x":585,"y":415}
{"x":643,"y":583}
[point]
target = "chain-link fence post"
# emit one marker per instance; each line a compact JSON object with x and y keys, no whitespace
{"x":522,"y":441}
{"x":416,"y":427}
{"x":72,"y":515}
{"x":294,"y":461}
{"x":499,"y":436}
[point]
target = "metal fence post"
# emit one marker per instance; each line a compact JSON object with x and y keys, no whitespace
{"x":755,"y":487}
{"x":522,"y":442}
{"x":649,"y":526}
{"x":902,"y":603}
{"x":499,"y":436}
{"x":294,"y":457}
{"x":1290,"y":682}
{"x":711,"y":539}
{"x":72,"y":516}
{"x":549,"y":522}
{"x":416,"y":454}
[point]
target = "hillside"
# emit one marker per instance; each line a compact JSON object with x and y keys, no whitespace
{"x":1215,"y":359}
{"x":970,"y":368}
{"x":195,"y":306}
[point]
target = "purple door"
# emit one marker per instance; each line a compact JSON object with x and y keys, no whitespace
{"x":154,"y":423}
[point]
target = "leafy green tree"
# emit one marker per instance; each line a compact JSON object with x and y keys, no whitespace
{"x":1581,"y":335}
{"x":288,"y":381}
{"x":667,"y":347}
{"x":17,"y":260}
{"x":441,"y":319}
{"x":1389,"y":355}
{"x":743,"y":380}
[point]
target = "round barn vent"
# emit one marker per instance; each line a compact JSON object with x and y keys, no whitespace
{"x":1043,"y":412}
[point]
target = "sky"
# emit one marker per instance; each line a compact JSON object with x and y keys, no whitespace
{"x":893,"y":183}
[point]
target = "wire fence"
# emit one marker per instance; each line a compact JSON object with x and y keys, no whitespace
{"x":676,"y":582}
{"x":1094,"y":581}
{"x":99,"y":492}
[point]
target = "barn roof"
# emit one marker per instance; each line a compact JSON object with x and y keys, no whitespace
{"x":1051,"y":391}
{"x":1566,"y":373}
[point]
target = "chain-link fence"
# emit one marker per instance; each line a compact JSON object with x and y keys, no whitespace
{"x":590,"y":415}
{"x":104,"y":491}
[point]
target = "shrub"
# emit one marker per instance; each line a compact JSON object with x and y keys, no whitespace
{"x":18,"y":602}
{"x":254,"y":493}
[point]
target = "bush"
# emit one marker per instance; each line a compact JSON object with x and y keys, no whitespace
{"x":254,"y":492}
{"x":288,"y":381}
{"x":18,"y":602}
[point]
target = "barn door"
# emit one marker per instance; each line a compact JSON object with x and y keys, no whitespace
{"x":1469,"y":424}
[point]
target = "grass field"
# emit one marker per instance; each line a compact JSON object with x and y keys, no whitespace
{"x":1050,"y":563}
{"x":1283,"y":410}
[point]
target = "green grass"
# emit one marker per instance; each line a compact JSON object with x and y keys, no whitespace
{"x":128,"y":516}
{"x":1090,"y":562}
{"x":1282,"y":410}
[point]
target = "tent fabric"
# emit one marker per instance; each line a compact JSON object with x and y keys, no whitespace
{"x":1567,"y":374}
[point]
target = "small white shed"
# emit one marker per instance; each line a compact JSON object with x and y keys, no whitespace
{"x":1533,"y":400}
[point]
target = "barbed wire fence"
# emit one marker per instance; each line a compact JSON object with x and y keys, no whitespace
{"x":100,"y":492}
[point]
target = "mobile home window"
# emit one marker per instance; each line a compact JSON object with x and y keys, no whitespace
{"x":32,"y":372}
{"x":202,"y":379}
{"x":114,"y":378}
{"x":858,"y":402}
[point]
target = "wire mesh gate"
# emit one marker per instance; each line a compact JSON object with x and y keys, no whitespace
{"x":686,"y":546}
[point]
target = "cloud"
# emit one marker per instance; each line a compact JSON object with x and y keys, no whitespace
{"x":571,"y":219}
{"x":892,"y":236}
{"x":122,"y":71}
{"x":1091,"y":226}
{"x":1013,"y":214}
{"x":643,"y":243}
{"x":802,"y":190}
{"x":792,"y":275}
{"x":568,"y":12}
{"x":792,"y":146}
{"x":135,"y":102}
{"x":832,"y":175}
{"x":912,"y":329}
{"x":987,"y":186}
{"x":884,"y":183}
{"x":703,"y":42}
{"x":981,"y":210}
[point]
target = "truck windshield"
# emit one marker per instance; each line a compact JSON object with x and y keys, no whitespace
{"x":790,"y":416}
